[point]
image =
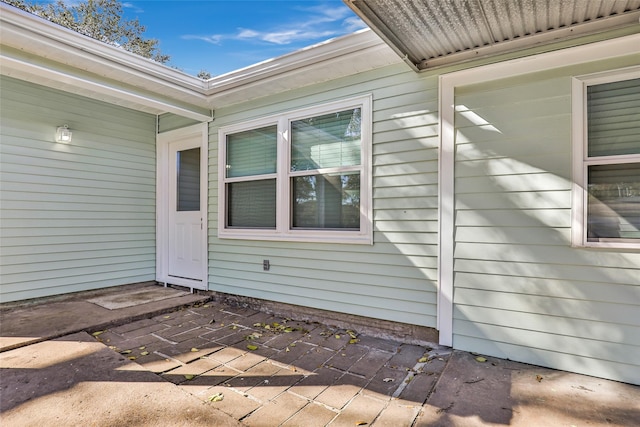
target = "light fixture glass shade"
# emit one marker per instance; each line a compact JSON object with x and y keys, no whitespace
{"x":63,"y":134}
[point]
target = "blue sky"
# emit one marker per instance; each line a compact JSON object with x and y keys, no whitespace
{"x":224,"y":35}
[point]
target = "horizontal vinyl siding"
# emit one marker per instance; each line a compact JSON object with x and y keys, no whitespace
{"x":393,"y":279}
{"x":73,"y":216}
{"x":520,"y":290}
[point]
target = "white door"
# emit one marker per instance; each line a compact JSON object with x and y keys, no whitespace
{"x":182,"y":225}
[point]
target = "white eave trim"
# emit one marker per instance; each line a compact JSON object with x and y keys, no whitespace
{"x":14,"y":65}
{"x":359,"y":43}
{"x":67,"y":58}
{"x":22,"y":30}
{"x":603,"y":50}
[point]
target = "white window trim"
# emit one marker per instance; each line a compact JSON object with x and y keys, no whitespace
{"x":581,"y":161}
{"x":283,"y":231}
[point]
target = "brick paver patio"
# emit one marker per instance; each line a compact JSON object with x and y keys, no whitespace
{"x":271,"y":371}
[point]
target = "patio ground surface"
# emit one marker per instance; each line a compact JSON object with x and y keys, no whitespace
{"x":185,"y":360}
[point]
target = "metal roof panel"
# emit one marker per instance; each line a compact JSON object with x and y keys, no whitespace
{"x":423,"y":30}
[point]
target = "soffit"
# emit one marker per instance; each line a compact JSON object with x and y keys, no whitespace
{"x":432,"y":33}
{"x":39,"y":51}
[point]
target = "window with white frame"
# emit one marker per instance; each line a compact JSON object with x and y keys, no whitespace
{"x":302,"y":175}
{"x":607,"y":159}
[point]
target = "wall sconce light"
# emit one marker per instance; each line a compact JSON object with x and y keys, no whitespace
{"x":63,"y":134}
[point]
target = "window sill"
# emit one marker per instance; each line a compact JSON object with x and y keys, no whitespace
{"x":358,"y":238}
{"x":609,"y":245}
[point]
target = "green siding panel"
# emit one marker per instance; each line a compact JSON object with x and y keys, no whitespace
{"x":521,"y":291}
{"x":73,"y":216}
{"x":393,"y":279}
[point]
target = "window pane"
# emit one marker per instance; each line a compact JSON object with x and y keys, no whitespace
{"x":252,"y":204}
{"x":614,"y":202}
{"x":327,"y":141}
{"x":326,"y":201}
{"x":613,"y":118}
{"x":252,"y":152}
{"x":188,"y":176}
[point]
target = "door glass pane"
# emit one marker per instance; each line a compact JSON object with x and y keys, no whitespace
{"x":328,"y":141}
{"x":188,"y":176}
{"x":614,"y":202}
{"x":326,"y":201}
{"x":614,"y":118}
{"x":252,"y":204}
{"x":253,"y":152}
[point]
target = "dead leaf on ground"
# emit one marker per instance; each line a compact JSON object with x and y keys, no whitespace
{"x":125,"y":352}
{"x":539,"y":378}
{"x":361,"y":423}
{"x":189,"y":377}
{"x":194,"y":350}
{"x":388,"y":380}
{"x":132,"y":358}
{"x":423,"y":359}
{"x":96,"y":333}
{"x":253,"y":336}
{"x":144,"y":353}
{"x":252,"y":347}
{"x":216,"y":397}
{"x":480,"y":359}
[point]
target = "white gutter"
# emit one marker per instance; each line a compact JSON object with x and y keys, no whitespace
{"x":20,"y":66}
{"x":340,"y":47}
{"x":21,"y":29}
{"x":46,"y":53}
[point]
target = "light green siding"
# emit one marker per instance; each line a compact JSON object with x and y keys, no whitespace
{"x":393,"y":279}
{"x":520,"y":290}
{"x":74,"y":216}
{"x":168,"y":121}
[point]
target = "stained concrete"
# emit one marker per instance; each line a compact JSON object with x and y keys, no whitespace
{"x":160,"y":363}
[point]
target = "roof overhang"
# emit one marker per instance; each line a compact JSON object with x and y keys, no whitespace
{"x":39,"y":51}
{"x":433,"y":33}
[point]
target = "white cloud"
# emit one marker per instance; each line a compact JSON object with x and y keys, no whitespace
{"x":213,"y":39}
{"x":313,"y":23}
{"x":136,"y":9}
{"x":353,"y":23}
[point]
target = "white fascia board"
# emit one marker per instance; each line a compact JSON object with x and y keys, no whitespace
{"x":622,"y":46}
{"x":109,"y":65}
{"x":314,"y":62}
{"x":524,"y":43}
{"x":607,"y":49}
{"x":31,"y":33}
{"x":11,"y":66}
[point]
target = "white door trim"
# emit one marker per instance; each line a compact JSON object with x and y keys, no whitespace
{"x":199,"y":132}
{"x":622,"y":46}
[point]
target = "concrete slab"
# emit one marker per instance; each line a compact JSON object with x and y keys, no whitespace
{"x":51,"y":318}
{"x":133,"y":297}
{"x":296,"y":378}
{"x":501,"y":392}
{"x":76,"y":380}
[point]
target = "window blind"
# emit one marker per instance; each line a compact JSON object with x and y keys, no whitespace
{"x":327,"y":141}
{"x":613,"y":118}
{"x":252,"y":152}
{"x":252,"y":204}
